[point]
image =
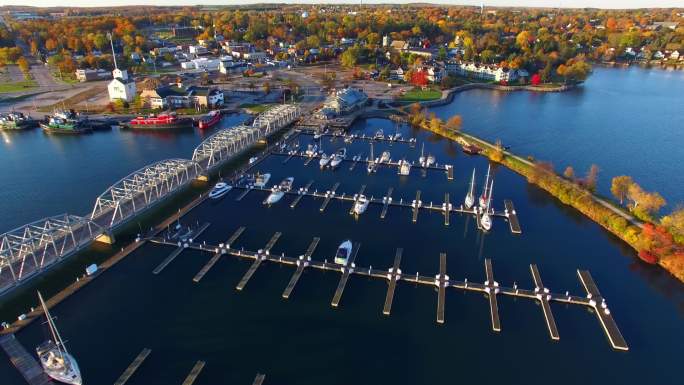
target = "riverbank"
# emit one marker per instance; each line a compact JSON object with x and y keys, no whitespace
{"x":612,"y":218}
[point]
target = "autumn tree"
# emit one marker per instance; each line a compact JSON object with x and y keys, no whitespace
{"x":674,"y":223}
{"x":498,"y":152}
{"x":569,"y":173}
{"x":644,"y":204}
{"x":23,"y":65}
{"x":592,"y":178}
{"x":454,"y":123}
{"x":619,"y":187}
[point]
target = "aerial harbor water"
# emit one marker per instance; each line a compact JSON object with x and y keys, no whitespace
{"x":305,"y":340}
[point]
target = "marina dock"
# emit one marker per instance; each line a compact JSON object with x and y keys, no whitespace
{"x":393,"y":277}
{"x":261,"y":256}
{"x":126,"y":375}
{"x":416,"y":205}
{"x":441,"y":281}
{"x":328,"y":196}
{"x":196,"y":370}
{"x":195,"y":233}
{"x":217,"y":255}
{"x":302,"y":263}
{"x":386,"y":200}
{"x":302,"y":191}
{"x":25,"y":363}
{"x":512,"y":217}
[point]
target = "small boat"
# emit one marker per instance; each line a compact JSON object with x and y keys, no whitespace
{"x":404,"y":167}
{"x":361,"y":204}
{"x":209,"y":120}
{"x":325,"y":159}
{"x":471,"y":149}
{"x":430,"y":160}
{"x":15,"y":121}
{"x":339,"y":156}
{"x":57,"y":363}
{"x":397,"y":136}
{"x":318,"y":135}
{"x":379,"y":134}
{"x":385,"y":157}
{"x":261,"y":180}
{"x":158,"y":122}
{"x":348,"y":138}
{"x":219,"y":190}
{"x":180,"y":232}
{"x":65,"y":122}
{"x":486,"y":219}
{"x":253,"y":159}
{"x":484,"y":195}
{"x":421,"y":158}
{"x":278,"y":192}
{"x":470,"y":197}
{"x":343,"y":253}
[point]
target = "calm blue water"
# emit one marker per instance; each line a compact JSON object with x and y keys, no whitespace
{"x":304,"y":340}
{"x":627,"y":121}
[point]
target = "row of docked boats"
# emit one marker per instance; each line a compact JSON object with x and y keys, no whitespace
{"x":484,"y":201}
{"x":16,"y":121}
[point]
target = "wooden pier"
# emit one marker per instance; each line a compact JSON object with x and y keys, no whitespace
{"x":386,"y":200}
{"x":192,"y":376}
{"x":346,"y":271}
{"x":492,"y":289}
{"x":543,"y":296}
{"x":442,"y":281}
{"x":393,"y":277}
{"x":302,"y":192}
{"x":417,"y":204}
{"x":329,"y":195}
{"x":179,"y":249}
{"x":261,"y":256}
{"x":133,"y":367}
{"x":244,"y":193}
{"x":512,"y":217}
{"x":302,"y":263}
{"x":217,"y":255}
{"x":25,"y":363}
{"x":447,"y":209}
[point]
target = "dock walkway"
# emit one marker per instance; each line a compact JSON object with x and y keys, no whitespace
{"x":25,"y":363}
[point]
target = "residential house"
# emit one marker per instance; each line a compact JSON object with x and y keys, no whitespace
{"x":482,"y":71}
{"x":166,"y":97}
{"x":87,"y":75}
{"x":121,"y":87}
{"x":205,"y":97}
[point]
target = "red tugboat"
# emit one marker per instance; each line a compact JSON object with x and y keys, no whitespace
{"x":210,"y":119}
{"x":158,"y":122}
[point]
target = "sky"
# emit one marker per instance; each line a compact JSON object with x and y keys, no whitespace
{"x":511,"y":3}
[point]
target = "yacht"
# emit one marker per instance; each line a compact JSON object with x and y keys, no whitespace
{"x":404,"y":167}
{"x":219,"y":190}
{"x":279,"y":191}
{"x":483,"y":197}
{"x":262,"y":180}
{"x":486,"y":219}
{"x":470,"y":197}
{"x":57,"y":363}
{"x":325,"y":159}
{"x":339,"y":156}
{"x":343,"y":252}
{"x":361,"y":204}
{"x":385,"y":157}
{"x":379,"y":134}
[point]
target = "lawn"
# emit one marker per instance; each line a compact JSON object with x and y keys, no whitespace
{"x":256,"y":108}
{"x":419,"y":95}
{"x":16,"y":86}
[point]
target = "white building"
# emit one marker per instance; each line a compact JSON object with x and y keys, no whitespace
{"x":482,"y":71}
{"x":198,"y":50}
{"x":341,"y":102}
{"x":121,"y":87}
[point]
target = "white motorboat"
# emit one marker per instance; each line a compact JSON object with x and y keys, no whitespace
{"x":344,"y":252}
{"x":262,"y":180}
{"x":325,"y":159}
{"x":404,"y":167}
{"x":385,"y":157}
{"x":486,"y":219}
{"x":54,"y":357}
{"x":361,"y":204}
{"x":483,"y":197}
{"x":278,"y":192}
{"x":371,"y":160}
{"x":339,"y":156}
{"x":470,"y":197}
{"x":379,"y":134}
{"x":219,"y":190}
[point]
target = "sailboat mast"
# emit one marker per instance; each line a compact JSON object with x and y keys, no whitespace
{"x":53,"y":329}
{"x":472,"y":184}
{"x":489,"y":197}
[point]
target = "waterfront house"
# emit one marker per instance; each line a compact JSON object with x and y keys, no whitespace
{"x":166,"y":97}
{"x":482,"y":71}
{"x":121,"y":87}
{"x":205,"y":97}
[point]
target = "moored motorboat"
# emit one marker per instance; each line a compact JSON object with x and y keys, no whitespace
{"x":325,"y":159}
{"x":385,"y":157}
{"x":57,"y":363}
{"x":379,"y":134}
{"x":209,"y":120}
{"x":371,"y":160}
{"x":343,"y":252}
{"x":361,"y":204}
{"x":339,"y":156}
{"x":219,"y":190}
{"x":65,"y":122}
{"x":279,"y":191}
{"x":404,"y":167}
{"x":15,"y":121}
{"x":261,"y":180}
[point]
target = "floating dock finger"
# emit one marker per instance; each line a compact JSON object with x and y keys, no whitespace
{"x":543,"y":296}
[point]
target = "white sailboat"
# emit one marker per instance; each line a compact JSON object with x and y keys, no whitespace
{"x":54,"y":357}
{"x":483,"y":197}
{"x":470,"y":197}
{"x":339,"y":156}
{"x":371,"y":160}
{"x":486,"y":219}
{"x":421,"y":159}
